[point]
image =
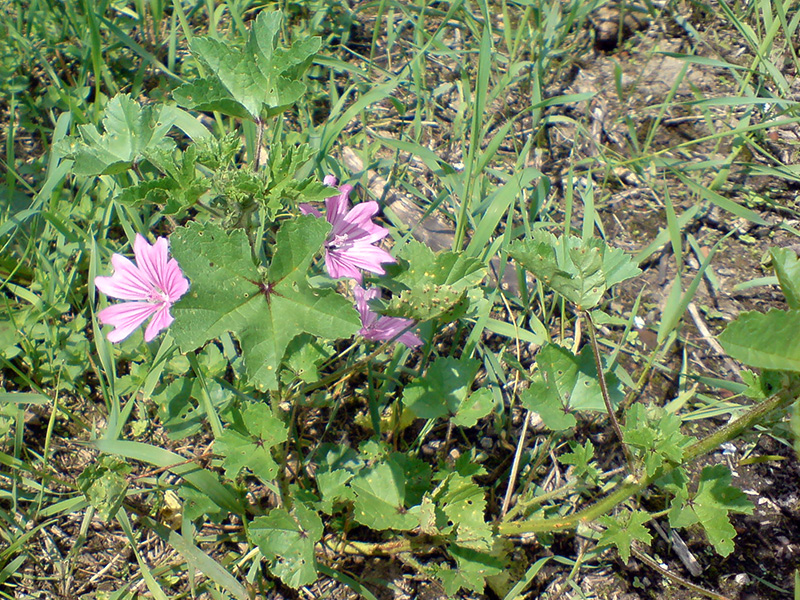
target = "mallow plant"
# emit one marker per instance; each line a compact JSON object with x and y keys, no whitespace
{"x":269,"y":299}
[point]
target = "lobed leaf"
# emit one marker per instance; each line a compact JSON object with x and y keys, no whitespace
{"x":264,"y":309}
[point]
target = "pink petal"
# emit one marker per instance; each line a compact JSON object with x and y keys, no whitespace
{"x":127,"y":282}
{"x":307,"y":209}
{"x":363,"y":256}
{"x":338,"y":266}
{"x":330,"y":180}
{"x":337,"y":207}
{"x":125,"y":317}
{"x":172,"y":281}
{"x":151,"y":260}
{"x":160,"y":321}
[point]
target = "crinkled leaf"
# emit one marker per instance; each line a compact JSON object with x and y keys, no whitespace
{"x":427,"y":285}
{"x":581,"y":271}
{"x":258,"y":77}
{"x":565,"y":383}
{"x":655,"y":437}
{"x":250,"y":446}
{"x":104,"y":484}
{"x":128,"y":131}
{"x":622,"y":529}
{"x":288,"y":541}
{"x":303,"y":355}
{"x":443,"y":389}
{"x":472,"y":569}
{"x":380,"y":494}
{"x":765,"y":340}
{"x":710,"y":506}
{"x":264,"y":311}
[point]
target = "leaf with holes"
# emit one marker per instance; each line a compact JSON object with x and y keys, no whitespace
{"x":248,"y":442}
{"x":566,"y":383}
{"x":264,"y":308}
{"x":464,"y":504}
{"x":287,"y":540}
{"x":104,"y":484}
{"x":427,"y":285}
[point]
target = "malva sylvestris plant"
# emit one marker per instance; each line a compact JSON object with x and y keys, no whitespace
{"x":256,"y":290}
{"x":150,"y":287}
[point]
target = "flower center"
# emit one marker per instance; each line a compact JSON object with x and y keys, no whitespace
{"x":157,"y":296}
{"x":337,"y":242}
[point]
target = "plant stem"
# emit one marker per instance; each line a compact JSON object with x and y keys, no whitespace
{"x":601,"y":377}
{"x":630,"y":486}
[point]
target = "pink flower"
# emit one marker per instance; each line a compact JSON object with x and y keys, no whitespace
{"x":380,"y":328}
{"x":349,"y":247}
{"x":153,"y":284}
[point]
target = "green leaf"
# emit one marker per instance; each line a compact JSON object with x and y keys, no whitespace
{"x":288,"y":541}
{"x":622,"y":529}
{"x":265,"y":311}
{"x":257,"y":78}
{"x":250,"y":446}
{"x":479,"y":404}
{"x":581,"y":458}
{"x":654,"y":436}
{"x":472,"y":569}
{"x":380,"y":494}
{"x":197,"y":505}
{"x":565,"y":383}
{"x":710,"y":506}
{"x":336,"y":467}
{"x":104,"y":484}
{"x":464,"y":504}
{"x":443,"y":389}
{"x":581,"y":271}
{"x":129,"y":131}
{"x":765,"y":340}
{"x":427,"y":285}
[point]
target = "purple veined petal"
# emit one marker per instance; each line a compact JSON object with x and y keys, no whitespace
{"x":339,"y":266}
{"x":127,"y":282}
{"x":364,"y":256}
{"x":361,"y":214}
{"x":307,"y":209}
{"x":151,"y":259}
{"x":125,"y":317}
{"x":172,"y":282}
{"x":160,"y":321}
{"x":337,"y":207}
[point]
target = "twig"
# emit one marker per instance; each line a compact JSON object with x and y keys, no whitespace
{"x":512,"y":478}
{"x":672,"y":576}
{"x":710,"y":340}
